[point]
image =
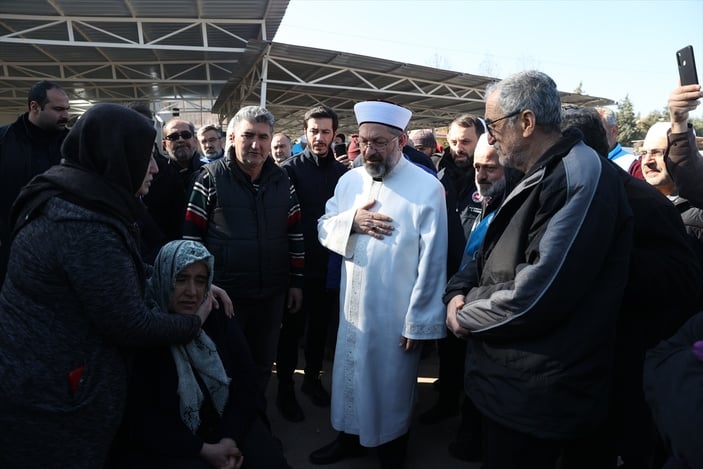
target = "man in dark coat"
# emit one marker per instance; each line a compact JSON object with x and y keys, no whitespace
{"x":245,"y":210}
{"x":314,"y":173}
{"x":660,"y":249}
{"x":29,"y":146}
{"x":167,"y":199}
{"x":549,"y":277}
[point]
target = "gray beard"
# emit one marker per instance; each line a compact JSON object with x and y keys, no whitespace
{"x":496,"y":189}
{"x":376,"y":171}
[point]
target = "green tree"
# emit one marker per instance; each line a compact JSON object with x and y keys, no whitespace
{"x":697,"y":125}
{"x":663,"y":116}
{"x":579,"y":89}
{"x":627,"y":123}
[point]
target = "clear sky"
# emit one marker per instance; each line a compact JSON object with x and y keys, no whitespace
{"x":614,"y":47}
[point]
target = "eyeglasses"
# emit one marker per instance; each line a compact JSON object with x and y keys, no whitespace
{"x":184,"y":134}
{"x":378,"y":144}
{"x":209,"y":140}
{"x":491,"y":123}
{"x":653,"y":153}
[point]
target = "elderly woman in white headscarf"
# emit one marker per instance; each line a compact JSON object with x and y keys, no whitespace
{"x":194,"y":405}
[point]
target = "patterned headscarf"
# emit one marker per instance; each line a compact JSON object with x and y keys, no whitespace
{"x":200,"y":354}
{"x":174,"y":257}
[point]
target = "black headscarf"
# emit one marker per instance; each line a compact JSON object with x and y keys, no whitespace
{"x":105,"y":158}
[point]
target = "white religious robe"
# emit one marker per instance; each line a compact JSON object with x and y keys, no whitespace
{"x":389,"y":288}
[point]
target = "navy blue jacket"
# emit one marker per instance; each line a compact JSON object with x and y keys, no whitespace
{"x":314,"y":179}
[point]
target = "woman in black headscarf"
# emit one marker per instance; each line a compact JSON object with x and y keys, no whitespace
{"x":72,"y":304}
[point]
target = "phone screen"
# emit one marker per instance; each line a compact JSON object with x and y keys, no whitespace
{"x":339,"y":149}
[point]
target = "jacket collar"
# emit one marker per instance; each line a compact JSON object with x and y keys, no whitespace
{"x":557,"y":151}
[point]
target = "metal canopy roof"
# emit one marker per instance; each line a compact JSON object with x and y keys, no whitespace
{"x":126,"y":50}
{"x":193,"y":53}
{"x":295,"y":78}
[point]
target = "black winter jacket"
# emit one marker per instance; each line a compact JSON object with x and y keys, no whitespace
{"x":467,"y":198}
{"x":551,"y":273}
{"x":73,"y":305}
{"x":248,"y":230}
{"x":314,"y":180}
{"x":25,"y":151}
{"x":153,"y":427}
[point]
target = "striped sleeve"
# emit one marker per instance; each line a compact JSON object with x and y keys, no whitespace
{"x":202,"y":201}
{"x":296,"y":247}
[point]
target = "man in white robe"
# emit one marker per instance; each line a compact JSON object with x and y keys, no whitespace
{"x":388,"y":221}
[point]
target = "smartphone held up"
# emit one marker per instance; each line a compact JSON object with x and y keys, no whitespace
{"x":687,"y":66}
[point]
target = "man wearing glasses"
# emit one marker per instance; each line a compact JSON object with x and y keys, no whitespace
{"x":540,"y":321}
{"x":393,"y":238}
{"x":656,"y":173}
{"x":683,"y":160}
{"x":167,"y":198}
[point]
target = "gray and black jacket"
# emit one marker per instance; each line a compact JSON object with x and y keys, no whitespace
{"x":551,"y":274}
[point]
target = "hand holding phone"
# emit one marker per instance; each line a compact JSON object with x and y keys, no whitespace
{"x":339,"y":149}
{"x":686,"y":97}
{"x":687,"y":66}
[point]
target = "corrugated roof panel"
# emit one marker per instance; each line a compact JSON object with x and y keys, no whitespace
{"x":173,"y":63}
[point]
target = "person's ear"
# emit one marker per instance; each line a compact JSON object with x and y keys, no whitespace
{"x":403,"y":139}
{"x":528,"y":122}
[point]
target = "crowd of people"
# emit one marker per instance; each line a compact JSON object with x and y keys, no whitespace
{"x":148,"y":288}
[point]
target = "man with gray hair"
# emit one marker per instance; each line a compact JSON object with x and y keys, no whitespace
{"x":545,"y":287}
{"x":245,"y":210}
{"x":210,"y":139}
{"x":616,"y":153}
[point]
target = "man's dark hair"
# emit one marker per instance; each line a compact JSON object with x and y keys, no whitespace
{"x":321,"y":112}
{"x":38,"y":92}
{"x":342,"y":136}
{"x":469,"y":120}
{"x":589,"y":122}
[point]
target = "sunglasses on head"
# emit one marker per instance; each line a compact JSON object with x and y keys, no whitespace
{"x":184,"y":134}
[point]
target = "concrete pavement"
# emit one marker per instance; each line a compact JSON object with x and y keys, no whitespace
{"x":427,"y":444}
